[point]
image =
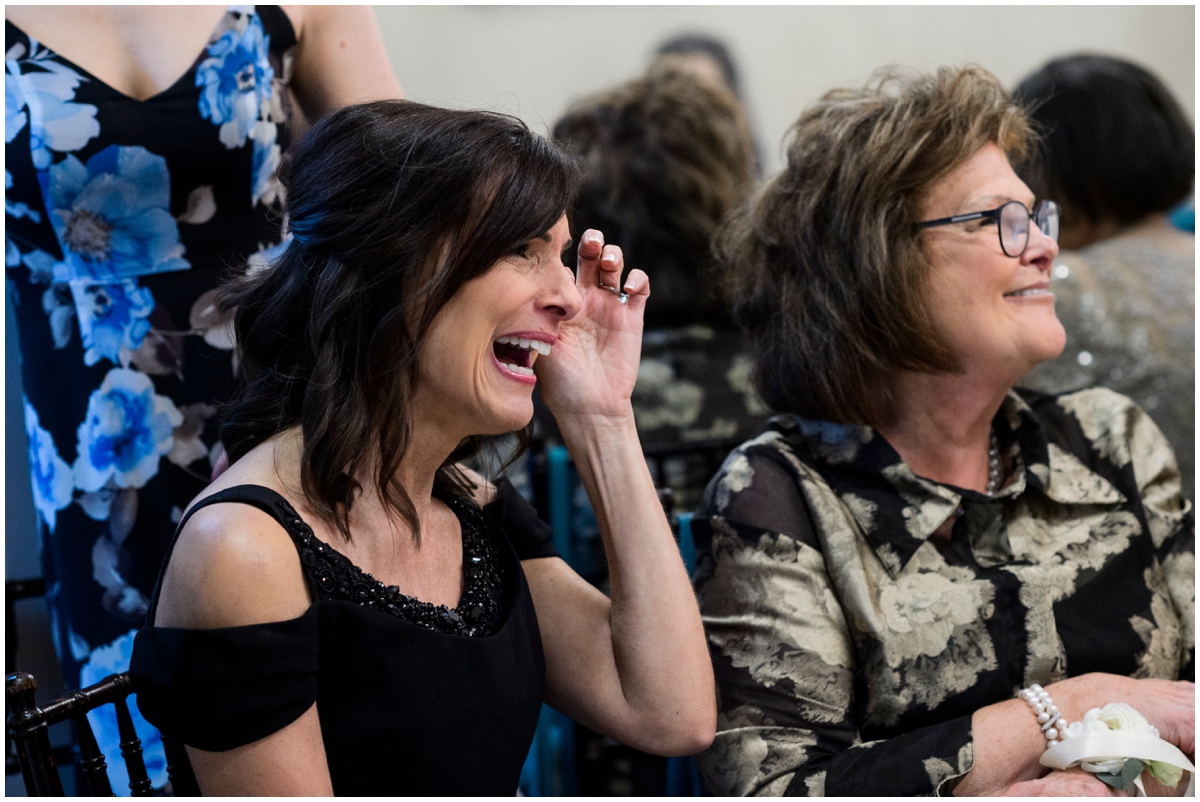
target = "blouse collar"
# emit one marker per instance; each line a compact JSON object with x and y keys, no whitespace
{"x":897,"y":510}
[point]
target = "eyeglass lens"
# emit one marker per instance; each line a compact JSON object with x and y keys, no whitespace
{"x":1046,"y":216}
{"x":1014,"y":228}
{"x":1014,"y":225}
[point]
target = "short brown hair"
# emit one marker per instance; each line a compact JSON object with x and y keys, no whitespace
{"x":824,"y":269}
{"x":665,"y":158}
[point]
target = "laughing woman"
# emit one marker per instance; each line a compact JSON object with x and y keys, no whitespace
{"x":345,"y":610}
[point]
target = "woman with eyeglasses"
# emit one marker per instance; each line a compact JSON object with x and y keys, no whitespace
{"x":916,"y":578}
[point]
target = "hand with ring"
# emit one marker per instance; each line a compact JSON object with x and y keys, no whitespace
{"x":594,"y":364}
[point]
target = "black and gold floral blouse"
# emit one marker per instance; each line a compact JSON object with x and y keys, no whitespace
{"x":851,"y":648}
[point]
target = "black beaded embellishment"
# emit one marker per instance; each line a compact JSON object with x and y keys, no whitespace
{"x":479,"y":612}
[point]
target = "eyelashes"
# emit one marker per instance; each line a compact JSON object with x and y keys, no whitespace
{"x":522,"y":252}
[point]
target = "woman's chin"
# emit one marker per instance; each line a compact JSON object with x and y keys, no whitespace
{"x":1032,"y":357}
{"x":511,"y":418}
{"x":1051,"y":344}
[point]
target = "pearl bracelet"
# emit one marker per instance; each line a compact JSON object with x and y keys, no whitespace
{"x":1052,"y":721}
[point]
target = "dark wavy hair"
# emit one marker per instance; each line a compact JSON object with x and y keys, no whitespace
{"x":392,"y":206}
{"x":665,"y":157}
{"x":825,"y":269}
{"x":1116,"y":143}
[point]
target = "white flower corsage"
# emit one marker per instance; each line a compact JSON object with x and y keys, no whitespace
{"x":1116,"y":743}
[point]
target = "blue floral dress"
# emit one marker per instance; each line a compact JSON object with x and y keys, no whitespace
{"x":121,"y":219}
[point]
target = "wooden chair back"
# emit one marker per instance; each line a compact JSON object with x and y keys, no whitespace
{"x":28,"y":725}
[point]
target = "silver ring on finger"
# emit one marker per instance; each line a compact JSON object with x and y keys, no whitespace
{"x":622,"y":296}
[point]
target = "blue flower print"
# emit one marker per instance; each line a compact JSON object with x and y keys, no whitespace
{"x":266,"y":256}
{"x":15,"y":114}
{"x":48,"y":472}
{"x":128,"y":429}
{"x":235,"y":80}
{"x":266,"y":186}
{"x":14,"y":208}
{"x":113,"y":216}
{"x":41,"y":92}
{"x":113,"y":659}
{"x":111,"y":316}
{"x":41,"y":266}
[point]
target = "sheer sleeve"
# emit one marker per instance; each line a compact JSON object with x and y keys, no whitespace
{"x":784,"y":659}
{"x":217,"y":689}
{"x":530,"y":536}
{"x":1172,"y":522}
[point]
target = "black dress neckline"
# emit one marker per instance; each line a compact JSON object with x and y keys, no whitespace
{"x":479,"y":611}
{"x":403,"y":709}
{"x":332,"y":576}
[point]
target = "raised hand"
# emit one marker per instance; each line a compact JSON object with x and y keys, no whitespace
{"x":593,"y":367}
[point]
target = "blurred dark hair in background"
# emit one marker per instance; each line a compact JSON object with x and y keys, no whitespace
{"x":1117,"y":153}
{"x":1116,"y":145}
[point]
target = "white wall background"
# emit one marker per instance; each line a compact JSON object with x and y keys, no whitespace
{"x":533,"y":60}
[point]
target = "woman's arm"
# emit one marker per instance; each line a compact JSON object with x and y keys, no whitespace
{"x":1009,"y":741}
{"x":636,"y":667}
{"x":340,"y":58}
{"x":1007,"y":744}
{"x":1172,"y":522}
{"x":234,"y":566}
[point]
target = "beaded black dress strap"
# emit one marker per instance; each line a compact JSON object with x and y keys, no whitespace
{"x":332,"y":576}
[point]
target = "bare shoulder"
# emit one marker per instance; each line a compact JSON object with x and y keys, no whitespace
{"x":233,"y":565}
{"x":485,"y":491}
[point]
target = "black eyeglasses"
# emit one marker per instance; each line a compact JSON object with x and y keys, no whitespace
{"x":1012,"y":222}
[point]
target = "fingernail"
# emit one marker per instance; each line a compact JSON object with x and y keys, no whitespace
{"x":593,"y":236}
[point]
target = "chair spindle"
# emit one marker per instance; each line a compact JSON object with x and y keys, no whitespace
{"x":27,"y":723}
{"x":91,"y":759}
{"x":131,"y":750}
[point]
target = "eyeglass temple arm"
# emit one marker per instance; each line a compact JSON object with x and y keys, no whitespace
{"x":958,"y":218}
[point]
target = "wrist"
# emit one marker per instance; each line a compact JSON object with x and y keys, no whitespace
{"x":587,"y":429}
{"x":1077,"y":695}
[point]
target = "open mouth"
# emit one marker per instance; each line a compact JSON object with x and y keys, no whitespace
{"x":1029,"y":292}
{"x":517,"y":353}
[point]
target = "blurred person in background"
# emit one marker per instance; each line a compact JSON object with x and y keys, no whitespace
{"x":887,"y":565}
{"x":1118,"y":152}
{"x":665,"y":157}
{"x":710,"y":59}
{"x":141,"y":148}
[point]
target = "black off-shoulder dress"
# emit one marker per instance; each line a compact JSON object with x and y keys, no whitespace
{"x":412,"y":698}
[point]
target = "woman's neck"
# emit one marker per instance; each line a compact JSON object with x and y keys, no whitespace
{"x":416,"y":474}
{"x":940,"y":424}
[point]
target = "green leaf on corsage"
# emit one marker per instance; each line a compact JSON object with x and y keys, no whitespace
{"x":1166,"y":773}
{"x":1129,"y":772}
